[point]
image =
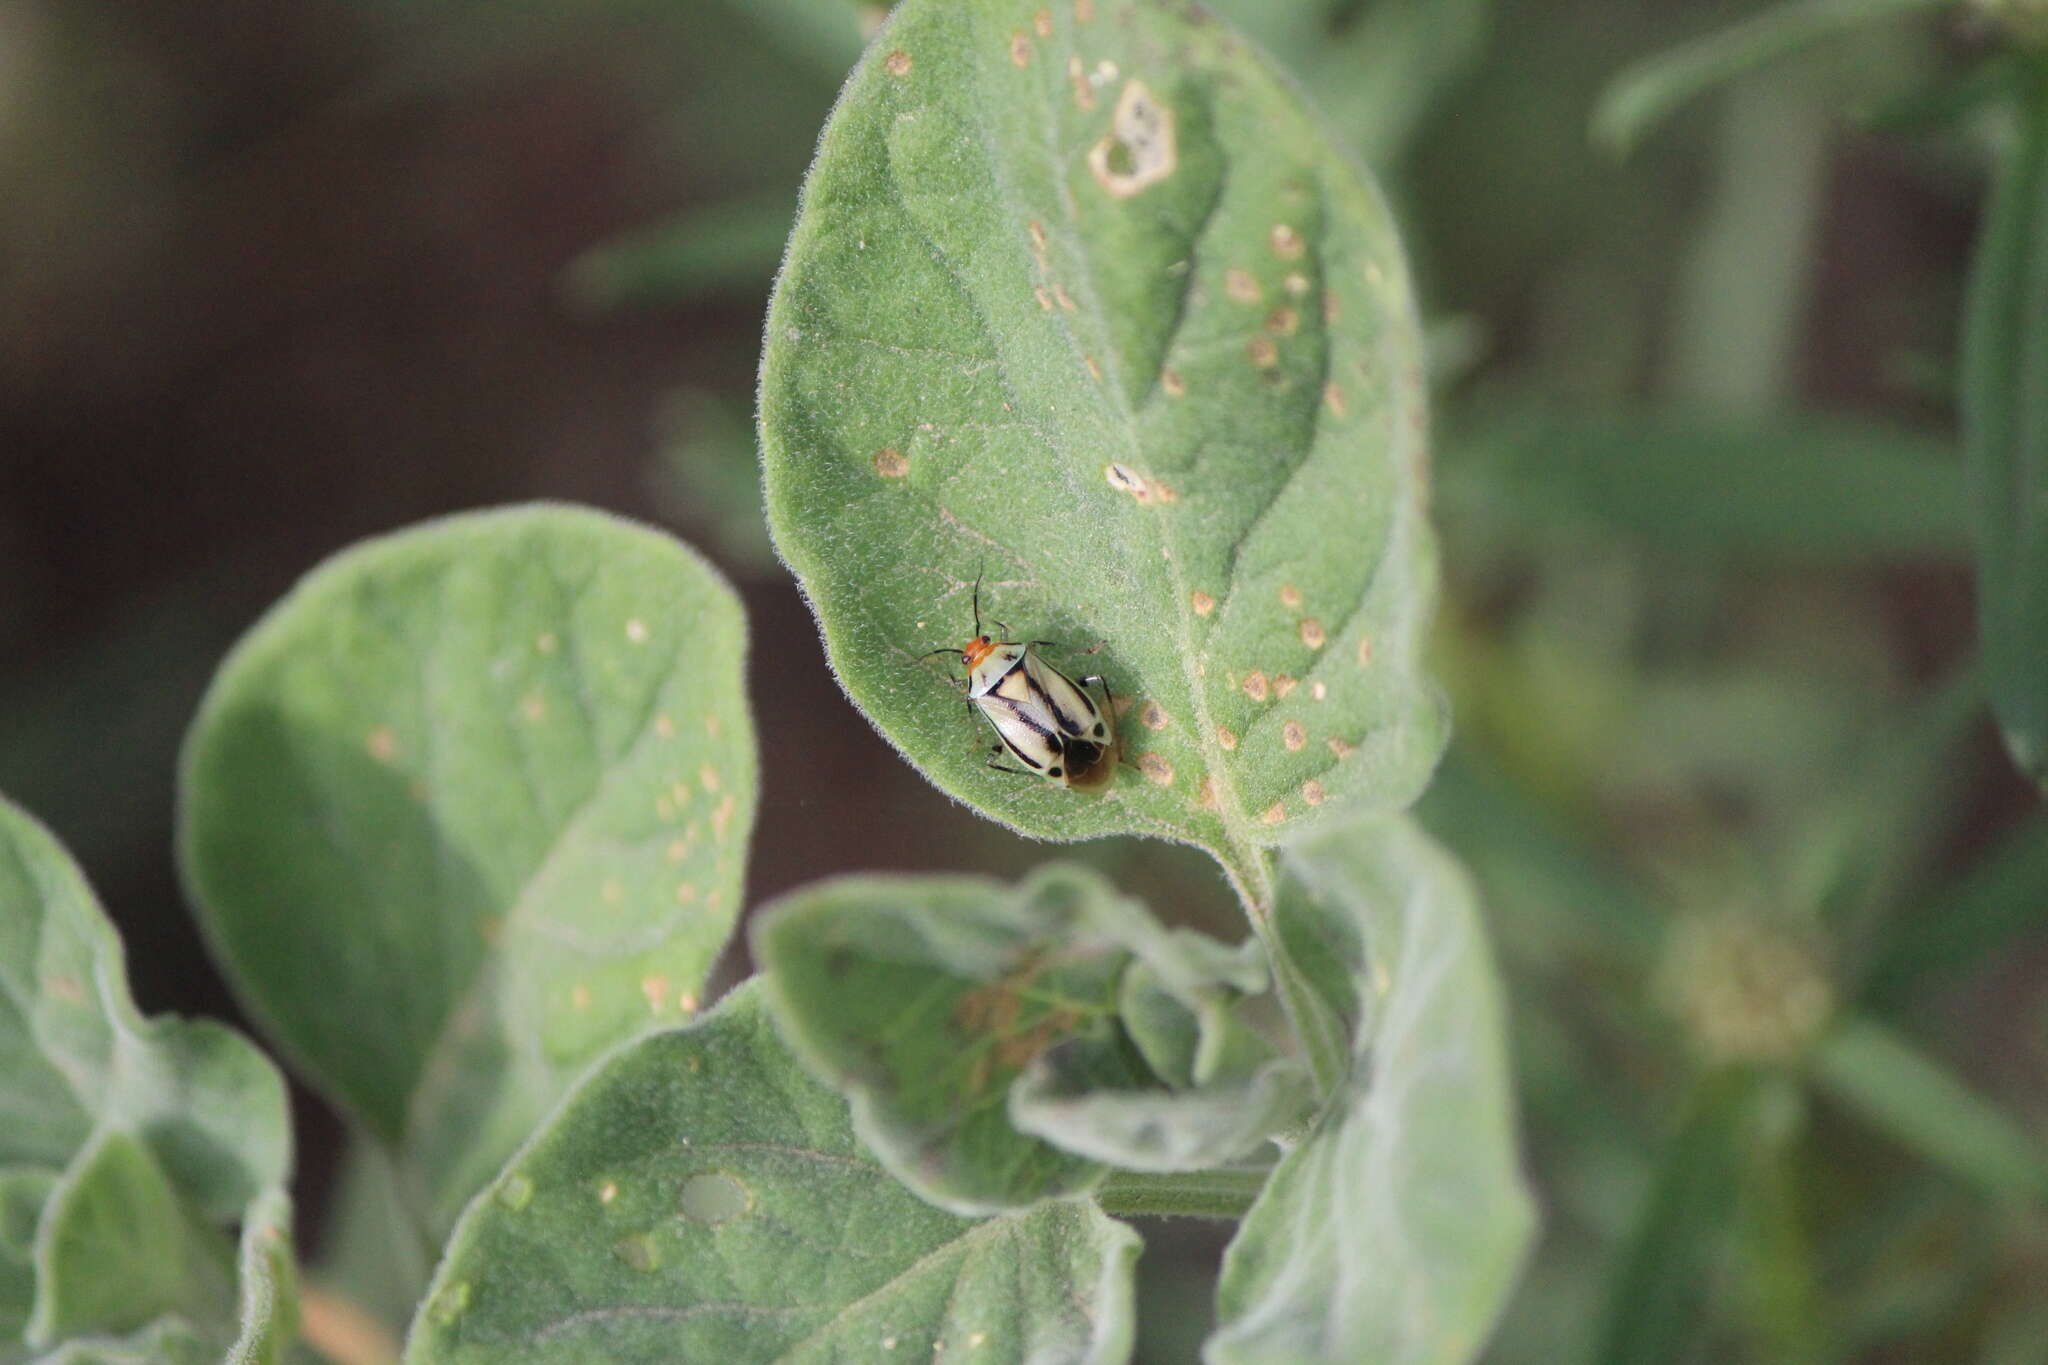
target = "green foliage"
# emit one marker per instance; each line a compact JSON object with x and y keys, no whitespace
{"x":2005,"y":430}
{"x":469,"y":806}
{"x":699,"y":1197}
{"x":1394,"y":1230}
{"x":1643,"y":96}
{"x":955,"y":1012}
{"x":1088,"y":311}
{"x":128,"y":1146}
{"x":1792,"y":489}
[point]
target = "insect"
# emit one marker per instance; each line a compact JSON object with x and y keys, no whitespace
{"x":1046,"y":720}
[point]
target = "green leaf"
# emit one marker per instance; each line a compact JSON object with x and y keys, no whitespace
{"x":1086,"y":309}
{"x":120,"y":1248}
{"x":1644,"y":95}
{"x":1394,"y":1231}
{"x":126,"y":1145}
{"x":700,"y":1198}
{"x":1822,"y":490}
{"x":1158,"y":1129}
{"x":2005,"y":431}
{"x":504,"y":759}
{"x":1922,"y":1104}
{"x":1656,"y":1297}
{"x":925,"y":999}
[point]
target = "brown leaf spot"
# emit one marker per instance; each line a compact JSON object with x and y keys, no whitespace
{"x":655,"y":988}
{"x":1156,"y":768}
{"x":1262,"y":352}
{"x":1287,"y":243}
{"x":1084,"y":11}
{"x":1365,"y":651}
{"x":1284,"y":683}
{"x":890,"y":464}
{"x":1290,"y":596}
{"x":1297,"y":283}
{"x":1124,"y":479}
{"x":1293,"y":735}
{"x":1066,"y":300}
{"x":1042,"y":21}
{"x":382,"y":743}
{"x":1333,"y":397}
{"x":1155,"y":717}
{"x":1319,"y":690}
{"x":1275,"y":813}
{"x":1312,"y":792}
{"x":664,"y":726}
{"x":1037,"y":231}
{"x":1239,"y":284}
{"x":722,"y":817}
{"x":1312,"y":633}
{"x":1077,"y":76}
{"x":1173,"y":385}
{"x":1226,"y":737}
{"x":1283,"y":322}
{"x":1202,"y":602}
{"x":1341,"y":749}
{"x":1205,"y":795}
{"x":1020,"y":49}
{"x":686,"y":893}
{"x":1255,"y":686}
{"x":1138,"y":151}
{"x":897,"y":62}
{"x":1094,"y":366}
{"x":579,"y":996}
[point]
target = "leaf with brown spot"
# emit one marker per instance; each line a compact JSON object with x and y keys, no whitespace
{"x":444,"y":928}
{"x":1221,"y":299}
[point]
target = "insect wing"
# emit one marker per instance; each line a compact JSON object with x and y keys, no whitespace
{"x":1025,"y":732}
{"x":994,"y":669}
{"x":1072,"y":710}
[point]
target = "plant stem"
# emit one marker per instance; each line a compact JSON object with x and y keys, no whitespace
{"x":1192,"y":1194}
{"x":1323,"y":1041}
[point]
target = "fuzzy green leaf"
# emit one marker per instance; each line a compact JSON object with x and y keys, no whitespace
{"x":700,"y":1198}
{"x":2005,"y":431}
{"x":1082,"y":304}
{"x":126,"y":1145}
{"x":504,"y":759}
{"x":1394,"y":1231}
{"x":925,"y":999}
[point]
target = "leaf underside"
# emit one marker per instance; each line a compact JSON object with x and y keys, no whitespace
{"x":1394,"y":1231}
{"x":1081,"y":304}
{"x":127,"y":1147}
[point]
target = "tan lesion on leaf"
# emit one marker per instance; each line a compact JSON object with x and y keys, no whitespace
{"x":1283,"y":322}
{"x":1139,"y":150}
{"x":1341,"y":749}
{"x":1084,"y":89}
{"x":897,"y":63}
{"x":1312,"y":633}
{"x":1154,"y":716}
{"x":890,"y":463}
{"x":1020,"y":49}
{"x":382,"y":742}
{"x":1294,"y":735}
{"x":1312,"y":792}
{"x":1156,"y":768}
{"x":1124,"y":479}
{"x":1240,"y":285}
{"x":1333,"y":398}
{"x":1202,"y":602}
{"x":1255,"y":685}
{"x":1284,"y":683}
{"x":1286,"y":241}
{"x":1084,"y":11}
{"x":1297,"y":283}
{"x":1262,"y":352}
{"x":1172,"y":384}
{"x":1042,"y":22}
{"x":1274,"y":814}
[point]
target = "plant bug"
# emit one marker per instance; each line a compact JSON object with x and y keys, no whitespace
{"x":1046,"y":720}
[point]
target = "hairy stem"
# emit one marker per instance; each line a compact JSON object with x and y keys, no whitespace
{"x":1192,"y":1194}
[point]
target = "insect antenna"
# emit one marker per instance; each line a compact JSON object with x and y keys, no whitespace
{"x":928,"y":653}
{"x":977,"y":600}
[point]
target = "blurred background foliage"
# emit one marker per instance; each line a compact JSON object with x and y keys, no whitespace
{"x":1769,"y":897}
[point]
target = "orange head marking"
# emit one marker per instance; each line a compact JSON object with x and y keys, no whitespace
{"x":977,"y":649}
